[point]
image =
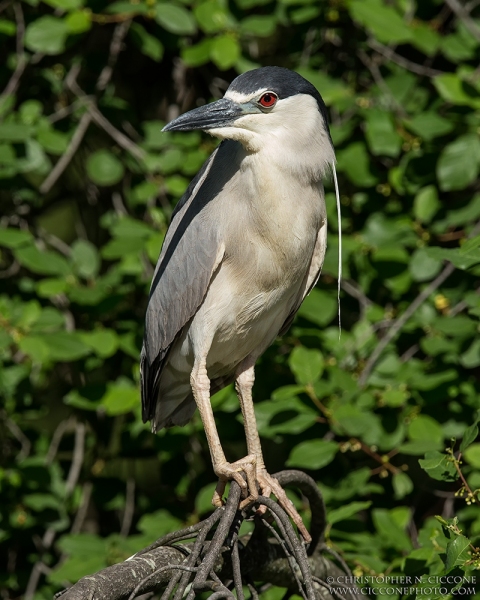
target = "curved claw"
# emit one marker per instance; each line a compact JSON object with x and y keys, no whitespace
{"x":232,"y":471}
{"x":269,"y":485}
{"x":249,"y":485}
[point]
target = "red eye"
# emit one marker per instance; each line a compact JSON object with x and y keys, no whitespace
{"x":268,"y":100}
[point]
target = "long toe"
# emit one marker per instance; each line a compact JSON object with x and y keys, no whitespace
{"x":233,"y":472}
{"x":269,"y":485}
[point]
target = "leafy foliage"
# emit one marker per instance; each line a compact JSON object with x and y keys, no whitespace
{"x":385,"y":418}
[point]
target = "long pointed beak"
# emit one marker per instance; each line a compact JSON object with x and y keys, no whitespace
{"x":221,"y":113}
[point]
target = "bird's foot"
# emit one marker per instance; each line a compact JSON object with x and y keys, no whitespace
{"x":255,"y":478}
{"x":269,"y":485}
{"x":232,"y":471}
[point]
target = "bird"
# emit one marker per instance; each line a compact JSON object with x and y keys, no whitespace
{"x":245,"y":245}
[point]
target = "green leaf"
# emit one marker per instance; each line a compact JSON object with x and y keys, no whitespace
{"x":424,"y":267}
{"x":47,"y":35}
{"x":55,"y":142}
{"x":85,"y":258}
{"x":120,"y":398}
{"x":158,"y":523}
{"x":429,"y":125}
{"x":212,"y":16}
{"x":425,"y":427}
{"x":125,"y":7}
{"x":65,"y":4}
{"x":203,"y":501}
{"x":312,"y":454}
{"x":345,"y":512}
{"x":104,"y":168}
{"x":381,"y":135}
{"x":146,"y":43}
{"x":425,"y":38}
{"x":104,"y":342}
{"x":39,"y":502}
{"x":388,"y":527}
{"x":15,"y":132}
{"x":355,"y":163}
{"x":78,"y":22}
{"x":175,"y":19}
{"x":259,"y":25}
{"x":307,"y":365}
{"x":469,"y":436}
{"x":455,"y":549}
{"x":46,"y":288}
{"x":319,"y":307}
{"x":45,"y":262}
{"x":34,"y":347}
{"x":452,"y":89}
{"x":87,"y":554}
{"x":426,"y":204}
{"x":224,"y":51}
{"x":459,"y":162}
{"x":15,"y":238}
{"x":65,"y":346}
{"x":198,"y":54}
{"x":382,"y":20}
{"x":472,"y":455}
{"x":7,"y":27}
{"x":402,"y":485}
{"x":352,"y":420}
{"x":471,"y":357}
{"x":439,"y":466}
{"x":461,"y":261}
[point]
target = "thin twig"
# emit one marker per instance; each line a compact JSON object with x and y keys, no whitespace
{"x":83,"y":508}
{"x":14,"y":81}
{"x":65,"y":159}
{"x":122,"y":140}
{"x":377,"y":76}
{"x":465,"y":17}
{"x":400,"y":322}
{"x":354,"y":290}
{"x":119,"y":34}
{"x":19,"y":436}
{"x":402,"y":61}
{"x":66,"y":111}
{"x":56,"y":439}
{"x":129,"y":507}
{"x":77,"y":461}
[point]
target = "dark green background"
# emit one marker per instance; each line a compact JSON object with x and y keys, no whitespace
{"x":83,"y":483}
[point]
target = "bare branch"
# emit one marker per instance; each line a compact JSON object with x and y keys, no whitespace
{"x":57,"y":438}
{"x":64,"y":161}
{"x":83,"y":508}
{"x":400,"y":322}
{"x":464,"y":16}
{"x":77,"y":461}
{"x":225,"y":560}
{"x":402,"y":61}
{"x":129,"y":507}
{"x":119,"y":34}
{"x":66,"y":111}
{"x":372,"y":66}
{"x":18,"y":435}
{"x":12,"y":85}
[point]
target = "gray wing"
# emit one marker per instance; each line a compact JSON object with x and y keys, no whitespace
{"x":189,"y":257}
{"x":313,"y":275}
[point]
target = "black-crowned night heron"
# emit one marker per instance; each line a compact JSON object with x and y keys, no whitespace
{"x":245,"y":246}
